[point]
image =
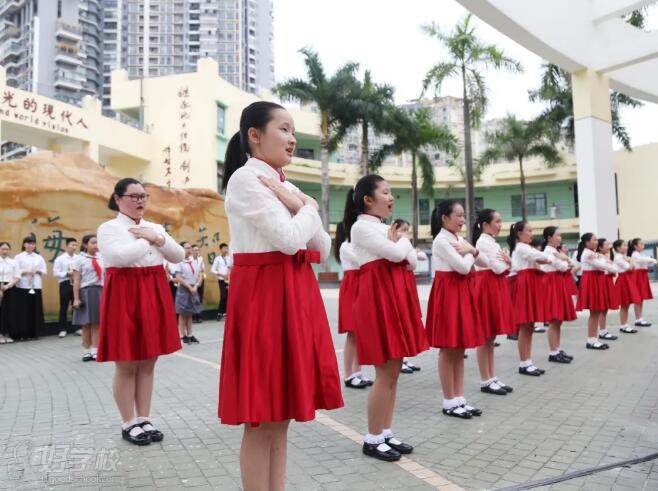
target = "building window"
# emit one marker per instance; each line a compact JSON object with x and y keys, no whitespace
{"x":220,"y":176}
{"x":479,"y":203}
{"x":424,"y":211}
{"x":305,"y":153}
{"x":221,"y":119}
{"x":535,"y":204}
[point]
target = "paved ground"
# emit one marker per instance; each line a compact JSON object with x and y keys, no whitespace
{"x":59,"y":425}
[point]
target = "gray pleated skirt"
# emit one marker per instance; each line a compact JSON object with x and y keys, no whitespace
{"x":187,"y":303}
{"x":90,"y":310}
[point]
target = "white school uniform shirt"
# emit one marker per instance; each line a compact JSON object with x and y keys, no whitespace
{"x":490,"y":250}
{"x":525,"y":257}
{"x":31,"y":262}
{"x":188,"y":270}
{"x":121,"y":249}
{"x":9,"y":270}
{"x":446,"y":258}
{"x":591,"y":261}
{"x":260,"y":222}
{"x":88,"y":275}
{"x":370,"y":242}
{"x":640,"y":261}
{"x":348,"y":257}
{"x":621,"y":263}
{"x":221,"y":265}
{"x":62,"y":265}
{"x":557,"y":264}
{"x":200,"y":263}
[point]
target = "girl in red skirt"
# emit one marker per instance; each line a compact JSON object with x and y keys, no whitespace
{"x":558,"y":293}
{"x":494,"y":296}
{"x":278,"y":359}
{"x":594,"y":293}
{"x":603,"y":249}
{"x":453,"y":319}
{"x":640,"y":264}
{"x":138,"y":322}
{"x":626,"y":287}
{"x":344,"y":253}
{"x":388,"y":320}
{"x":528,"y":297}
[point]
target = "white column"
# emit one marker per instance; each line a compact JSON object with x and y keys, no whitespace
{"x":596,"y":181}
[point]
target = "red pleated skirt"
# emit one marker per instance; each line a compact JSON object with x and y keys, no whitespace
{"x":597,"y":292}
{"x":138,"y":320}
{"x":494,"y":299}
{"x":346,"y":300}
{"x":388,"y":319}
{"x":278,"y":358}
{"x":570,"y":283}
{"x":627,"y":290}
{"x":643,"y":284}
{"x":558,"y":297}
{"x":528,"y":297}
{"x":453,"y":318}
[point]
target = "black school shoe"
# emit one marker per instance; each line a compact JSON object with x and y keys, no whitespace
{"x":564,"y":353}
{"x":403,"y":448}
{"x":453,"y":411}
{"x":597,"y":346}
{"x":193,"y":339}
{"x":140,"y":439}
{"x":559,"y":358}
{"x":356,"y":383}
{"x":390,"y":455}
{"x":488,"y":389}
{"x":156,"y":435}
{"x":406,"y":369}
{"x":88,"y":357}
{"x":185,"y":340}
{"x":533,"y":373}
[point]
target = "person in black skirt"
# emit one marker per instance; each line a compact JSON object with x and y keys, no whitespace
{"x":221,"y":268}
{"x":29,"y":304}
{"x":10,"y":275}
{"x":188,"y":277}
{"x":87,"y":291}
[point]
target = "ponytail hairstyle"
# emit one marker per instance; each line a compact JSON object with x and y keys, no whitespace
{"x":444,"y":208}
{"x":600,"y":243}
{"x":341,"y":237}
{"x":615,"y":245}
{"x":584,"y":239}
{"x":399,"y":222}
{"x":255,"y":115}
{"x":485,"y":216}
{"x":514,"y":231}
{"x":632,"y":245}
{"x":119,"y":190}
{"x":547,"y":234}
{"x":85,"y":241}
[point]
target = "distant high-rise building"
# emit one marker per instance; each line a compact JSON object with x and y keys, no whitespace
{"x":152,"y":38}
{"x":53,"y":48}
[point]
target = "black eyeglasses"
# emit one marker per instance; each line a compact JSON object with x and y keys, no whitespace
{"x":136,"y":197}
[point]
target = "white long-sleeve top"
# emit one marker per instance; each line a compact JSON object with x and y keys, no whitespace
{"x":621,"y":262}
{"x":490,"y":249}
{"x":591,"y":261}
{"x":221,"y":265}
{"x":557,"y":264}
{"x":640,"y":261}
{"x":260,"y":222}
{"x":9,"y":270}
{"x":62,"y":265}
{"x":446,"y":258}
{"x":525,"y":257}
{"x":347,"y":257}
{"x":370,"y":241}
{"x":121,"y":249}
{"x":31,"y":262}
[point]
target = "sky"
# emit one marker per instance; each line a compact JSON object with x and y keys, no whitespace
{"x":385,"y":36}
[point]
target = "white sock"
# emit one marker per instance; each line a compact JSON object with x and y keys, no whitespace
{"x":449,"y":403}
{"x":148,"y":426}
{"x":554,"y":353}
{"x":484,"y":383}
{"x":591,"y":340}
{"x":387,"y":433}
{"x":641,"y":319}
{"x":94,"y":351}
{"x":374,"y":439}
{"x":461,"y":400}
{"x":525,"y":364}
{"x":603,"y":332}
{"x":136,"y":430}
{"x":355,"y":374}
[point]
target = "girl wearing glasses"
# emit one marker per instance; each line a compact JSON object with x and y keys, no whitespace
{"x":138,"y":321}
{"x":278,"y":359}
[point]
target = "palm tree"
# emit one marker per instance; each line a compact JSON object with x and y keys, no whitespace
{"x":520,"y":140}
{"x":468,"y":56}
{"x":415,"y":132}
{"x":334,"y":98}
{"x":555,"y":90}
{"x":373,"y":106}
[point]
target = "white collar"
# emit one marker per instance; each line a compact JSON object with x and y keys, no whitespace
{"x":265,"y":167}
{"x":125,"y":219}
{"x":369,"y":218}
{"x":444,"y":232}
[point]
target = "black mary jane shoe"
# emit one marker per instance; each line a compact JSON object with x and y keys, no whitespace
{"x":369,"y":382}
{"x":608,"y":337}
{"x":559,"y":358}
{"x":87,"y":357}
{"x":496,"y":344}
{"x":415,"y":368}
{"x":403,"y":448}
{"x":513,"y":337}
{"x":139,"y":439}
{"x":488,"y":389}
{"x":506,"y":388}
{"x":185,"y":340}
{"x":455,"y":414}
{"x":155,"y":434}
{"x":628,"y":330}
{"x":532,"y":373}
{"x":390,"y":455}
{"x":473,"y":410}
{"x":597,"y":346}
{"x":564,"y":353}
{"x":194,"y":340}
{"x":643,"y":323}
{"x":406,"y":369}
{"x":356,"y":383}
